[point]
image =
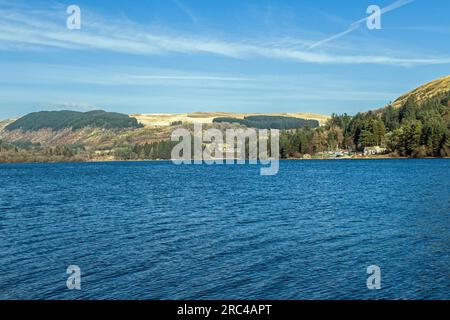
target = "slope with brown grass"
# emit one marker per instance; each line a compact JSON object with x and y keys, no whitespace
{"x":425,"y":92}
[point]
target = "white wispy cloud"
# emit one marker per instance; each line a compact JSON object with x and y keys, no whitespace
{"x":37,"y":30}
{"x":175,"y":82}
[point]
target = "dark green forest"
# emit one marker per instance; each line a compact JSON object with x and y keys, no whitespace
{"x":57,"y":120}
{"x":270,"y":122}
{"x":413,"y":130}
{"x":147,"y":151}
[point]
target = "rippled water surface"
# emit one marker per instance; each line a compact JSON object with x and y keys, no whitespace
{"x":153,"y":230}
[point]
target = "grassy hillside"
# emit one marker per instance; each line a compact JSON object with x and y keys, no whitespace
{"x":436,"y":88}
{"x":58,"y":120}
{"x":162,"y":120}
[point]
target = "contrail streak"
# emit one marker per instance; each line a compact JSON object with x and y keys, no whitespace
{"x":355,"y":25}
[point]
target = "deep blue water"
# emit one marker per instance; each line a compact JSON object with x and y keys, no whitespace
{"x":153,"y":230}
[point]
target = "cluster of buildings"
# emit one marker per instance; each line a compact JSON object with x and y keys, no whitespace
{"x":343,"y":153}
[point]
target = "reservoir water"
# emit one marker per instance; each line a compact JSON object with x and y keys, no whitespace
{"x":154,"y":230}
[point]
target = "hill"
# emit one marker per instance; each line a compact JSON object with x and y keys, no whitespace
{"x":161,"y":120}
{"x":436,"y":88}
{"x":59,"y":120}
{"x":416,"y":125}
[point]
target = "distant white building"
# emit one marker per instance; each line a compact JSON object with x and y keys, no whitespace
{"x":372,"y":151}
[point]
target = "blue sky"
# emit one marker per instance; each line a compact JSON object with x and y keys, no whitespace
{"x":176,"y":56}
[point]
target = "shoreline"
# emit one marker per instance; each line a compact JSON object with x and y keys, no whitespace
{"x":367,"y":158}
{"x":292,"y":159}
